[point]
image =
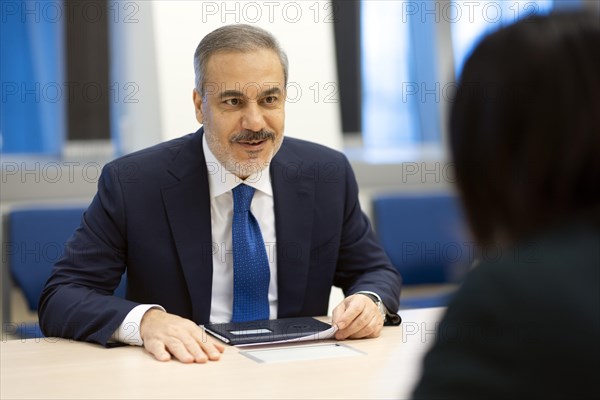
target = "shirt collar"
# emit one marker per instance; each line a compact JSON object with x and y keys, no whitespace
{"x":220,"y":180}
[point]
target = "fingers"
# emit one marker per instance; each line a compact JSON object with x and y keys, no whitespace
{"x":166,"y":336}
{"x":157,"y":349}
{"x":176,"y":349}
{"x":370,"y":330}
{"x":209,"y":346}
{"x":337,"y":316}
{"x":194,"y":348}
{"x":186,"y":349}
{"x":357,"y":317}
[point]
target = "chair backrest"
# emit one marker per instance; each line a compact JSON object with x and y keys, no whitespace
{"x":35,"y":239}
{"x":424,"y":235}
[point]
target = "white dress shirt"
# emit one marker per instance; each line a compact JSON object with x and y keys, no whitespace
{"x":221,"y":182}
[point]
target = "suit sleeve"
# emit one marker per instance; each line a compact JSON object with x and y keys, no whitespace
{"x":362,"y":263}
{"x":77,"y":301}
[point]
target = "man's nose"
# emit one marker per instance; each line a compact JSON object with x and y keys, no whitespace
{"x":253,"y":118}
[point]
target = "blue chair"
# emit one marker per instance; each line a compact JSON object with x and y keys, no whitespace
{"x":34,"y":239}
{"x":425,"y":237}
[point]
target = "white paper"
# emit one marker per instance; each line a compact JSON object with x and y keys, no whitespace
{"x":301,"y":353}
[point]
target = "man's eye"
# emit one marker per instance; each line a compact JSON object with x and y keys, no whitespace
{"x":233,"y":102}
{"x":270,"y":99}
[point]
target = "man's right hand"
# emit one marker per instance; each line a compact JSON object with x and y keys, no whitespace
{"x":166,"y":335}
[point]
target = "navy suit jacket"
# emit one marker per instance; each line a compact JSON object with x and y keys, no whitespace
{"x":151,"y":218}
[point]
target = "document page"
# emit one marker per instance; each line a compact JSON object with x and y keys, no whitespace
{"x":301,"y":353}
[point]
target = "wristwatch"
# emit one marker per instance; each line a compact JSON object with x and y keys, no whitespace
{"x":377,"y":300}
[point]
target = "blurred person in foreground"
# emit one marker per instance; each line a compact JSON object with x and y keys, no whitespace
{"x":170,"y":217}
{"x":525,"y":139}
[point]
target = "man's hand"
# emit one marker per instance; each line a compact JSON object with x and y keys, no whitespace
{"x":356,"y":317}
{"x":167,"y":335}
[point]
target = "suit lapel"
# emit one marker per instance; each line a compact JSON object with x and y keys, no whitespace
{"x":187,"y":203}
{"x":293,"y":194}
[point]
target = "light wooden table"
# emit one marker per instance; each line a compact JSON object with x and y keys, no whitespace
{"x":53,"y":368}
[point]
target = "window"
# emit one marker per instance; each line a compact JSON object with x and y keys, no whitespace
{"x":404,"y":96}
{"x":398,"y":80}
{"x":483,"y":17}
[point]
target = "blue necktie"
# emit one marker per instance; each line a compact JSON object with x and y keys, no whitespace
{"x":250,"y":264}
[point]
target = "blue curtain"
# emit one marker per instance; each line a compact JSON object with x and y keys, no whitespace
{"x":423,"y":62}
{"x":32,"y":112}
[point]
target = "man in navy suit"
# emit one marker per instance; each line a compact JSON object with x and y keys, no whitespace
{"x":164,"y":216}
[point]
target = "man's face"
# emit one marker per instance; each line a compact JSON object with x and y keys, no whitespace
{"x":243,"y":109}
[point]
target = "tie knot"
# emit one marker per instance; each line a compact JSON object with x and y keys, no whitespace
{"x":242,"y":197}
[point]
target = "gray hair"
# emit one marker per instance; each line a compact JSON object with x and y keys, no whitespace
{"x":242,"y":38}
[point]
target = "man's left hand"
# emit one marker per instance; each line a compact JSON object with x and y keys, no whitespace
{"x":357,"y":317}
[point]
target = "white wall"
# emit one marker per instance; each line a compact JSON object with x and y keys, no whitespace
{"x":304,"y":29}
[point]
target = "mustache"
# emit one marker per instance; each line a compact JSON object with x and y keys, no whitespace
{"x":248,"y":135}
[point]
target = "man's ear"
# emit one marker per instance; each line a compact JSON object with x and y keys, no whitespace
{"x":198,"y":106}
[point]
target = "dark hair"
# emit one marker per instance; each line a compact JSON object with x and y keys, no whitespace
{"x":242,"y":38}
{"x":525,"y":127}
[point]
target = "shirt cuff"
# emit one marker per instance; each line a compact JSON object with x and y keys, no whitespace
{"x":129,"y":330}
